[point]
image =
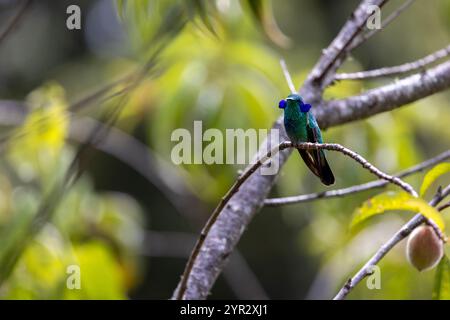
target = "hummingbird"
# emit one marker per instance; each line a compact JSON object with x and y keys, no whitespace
{"x":301,"y":126}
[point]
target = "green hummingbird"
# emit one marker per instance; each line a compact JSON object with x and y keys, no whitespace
{"x":301,"y":126}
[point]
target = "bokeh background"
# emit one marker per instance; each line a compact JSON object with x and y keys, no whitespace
{"x":131,"y":219}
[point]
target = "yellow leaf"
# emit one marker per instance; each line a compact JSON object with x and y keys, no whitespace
{"x":396,"y":200}
{"x":433,"y":175}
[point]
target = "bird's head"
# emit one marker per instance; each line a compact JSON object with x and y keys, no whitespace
{"x":294,"y":98}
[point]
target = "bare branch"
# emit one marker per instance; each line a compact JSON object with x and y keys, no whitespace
{"x":385,"y":98}
{"x":276,"y":202}
{"x":238,"y":274}
{"x":401,"y":234}
{"x":444,"y":206}
{"x":394,"y":15}
{"x":186,"y":277}
{"x":396,"y":70}
{"x":336,"y":53}
{"x":15,"y":19}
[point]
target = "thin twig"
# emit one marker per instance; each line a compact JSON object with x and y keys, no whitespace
{"x":396,"y":70}
{"x":284,"y":145}
{"x":215,"y":214}
{"x":15,"y":20}
{"x":275,"y":202}
{"x":99,"y":95}
{"x":394,"y":15}
{"x":417,"y":220}
{"x":287,"y":76}
{"x":444,"y":206}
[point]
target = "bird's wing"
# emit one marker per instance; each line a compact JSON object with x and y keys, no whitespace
{"x":320,"y":162}
{"x":309,"y":160}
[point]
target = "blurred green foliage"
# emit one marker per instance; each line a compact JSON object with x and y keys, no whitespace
{"x":220,"y":64}
{"x":100,"y":233}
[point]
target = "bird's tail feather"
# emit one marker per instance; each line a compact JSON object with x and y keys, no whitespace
{"x":317,"y":163}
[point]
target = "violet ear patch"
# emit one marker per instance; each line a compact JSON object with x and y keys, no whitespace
{"x":305,"y":107}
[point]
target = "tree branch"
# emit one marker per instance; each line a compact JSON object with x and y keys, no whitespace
{"x":239,"y":211}
{"x":15,"y":19}
{"x":179,"y":293}
{"x":396,"y":70}
{"x":394,"y":15}
{"x":336,"y":53}
{"x":444,"y":206}
{"x":276,"y":202}
{"x":401,"y":234}
{"x":238,"y":274}
{"x":385,"y":98}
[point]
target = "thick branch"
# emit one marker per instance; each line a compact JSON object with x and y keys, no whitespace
{"x":394,"y":15}
{"x":396,"y":70}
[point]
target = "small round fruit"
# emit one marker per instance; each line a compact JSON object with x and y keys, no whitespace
{"x":424,"y":248}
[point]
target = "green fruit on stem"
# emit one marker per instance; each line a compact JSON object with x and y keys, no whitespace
{"x":424,"y":248}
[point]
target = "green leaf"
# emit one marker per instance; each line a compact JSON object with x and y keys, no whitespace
{"x":441,"y":289}
{"x":395,"y":200}
{"x":433,"y":175}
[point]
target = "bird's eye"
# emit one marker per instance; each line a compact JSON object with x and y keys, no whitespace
{"x":305,"y":107}
{"x":282,"y":104}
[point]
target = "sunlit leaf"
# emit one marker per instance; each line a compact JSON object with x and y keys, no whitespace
{"x":433,"y":175}
{"x":395,"y":200}
{"x":441,"y":289}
